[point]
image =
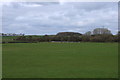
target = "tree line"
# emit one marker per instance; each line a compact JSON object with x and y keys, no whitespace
{"x":97,"y":35}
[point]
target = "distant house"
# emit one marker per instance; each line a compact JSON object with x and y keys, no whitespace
{"x":11,"y":34}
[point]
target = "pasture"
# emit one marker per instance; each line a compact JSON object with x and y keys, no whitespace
{"x":8,"y":38}
{"x":60,"y":60}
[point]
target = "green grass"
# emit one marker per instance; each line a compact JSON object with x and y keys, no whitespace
{"x":0,"y":57}
{"x":60,"y":60}
{"x":8,"y":38}
{"x":11,"y":38}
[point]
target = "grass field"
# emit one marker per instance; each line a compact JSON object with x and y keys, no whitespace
{"x":8,"y":38}
{"x":11,"y":38}
{"x":60,"y":60}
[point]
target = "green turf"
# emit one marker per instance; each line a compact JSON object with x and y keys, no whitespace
{"x":11,"y":38}
{"x":60,"y":60}
{"x":8,"y":38}
{"x":0,"y":60}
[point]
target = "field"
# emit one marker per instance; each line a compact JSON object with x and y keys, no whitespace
{"x":8,"y":38}
{"x":60,"y":60}
{"x":11,"y":38}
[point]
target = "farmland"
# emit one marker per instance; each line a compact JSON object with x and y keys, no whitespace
{"x":60,"y":60}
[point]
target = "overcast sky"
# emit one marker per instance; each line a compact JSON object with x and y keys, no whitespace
{"x":41,"y":18}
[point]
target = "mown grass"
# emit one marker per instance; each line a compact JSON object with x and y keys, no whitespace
{"x":0,"y":57}
{"x":8,"y":38}
{"x":12,"y":38}
{"x":60,"y":60}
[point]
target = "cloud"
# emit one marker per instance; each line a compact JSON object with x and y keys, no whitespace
{"x":31,"y":5}
{"x":52,"y":17}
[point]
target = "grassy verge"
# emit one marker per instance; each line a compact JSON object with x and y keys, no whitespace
{"x":60,"y":60}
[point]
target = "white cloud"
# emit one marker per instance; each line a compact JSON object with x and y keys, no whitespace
{"x":50,"y":18}
{"x":30,"y":5}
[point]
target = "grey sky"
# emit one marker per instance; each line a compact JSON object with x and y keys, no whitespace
{"x":53,"y":17}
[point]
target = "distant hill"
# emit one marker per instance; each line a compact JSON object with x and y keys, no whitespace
{"x":68,"y":34}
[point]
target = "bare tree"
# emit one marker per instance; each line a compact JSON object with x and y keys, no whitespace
{"x":101,"y":31}
{"x":88,"y":33}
